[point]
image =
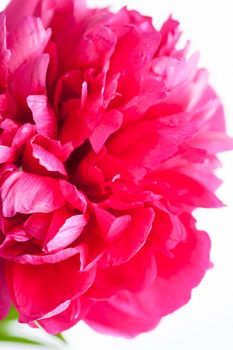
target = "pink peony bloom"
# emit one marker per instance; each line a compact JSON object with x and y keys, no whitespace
{"x":108,"y":142}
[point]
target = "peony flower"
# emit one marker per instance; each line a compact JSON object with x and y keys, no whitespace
{"x":108,"y":142}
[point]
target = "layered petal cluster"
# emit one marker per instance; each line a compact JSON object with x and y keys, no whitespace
{"x":108,"y":142}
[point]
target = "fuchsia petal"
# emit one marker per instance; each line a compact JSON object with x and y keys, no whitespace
{"x":147,"y":144}
{"x":64,"y":320}
{"x":4,"y":53}
{"x":96,"y":46}
{"x":132,"y":239}
{"x":128,"y":276}
{"x":37,"y":225}
{"x":36,"y":299}
{"x":187,"y":191}
{"x":129,"y":314}
{"x":8,"y":107}
{"x":22,"y":8}
{"x":110,"y":123}
{"x":4,"y":295}
{"x":108,"y":139}
{"x":75,"y":311}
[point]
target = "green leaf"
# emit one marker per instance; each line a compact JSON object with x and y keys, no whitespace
{"x":60,"y":336}
{"x":13,"y":315}
{"x":7,"y":332}
{"x":7,"y":337}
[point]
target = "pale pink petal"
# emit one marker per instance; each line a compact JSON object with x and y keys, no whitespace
{"x":217,"y":121}
{"x":67,"y":233}
{"x":73,"y":197}
{"x":37,"y":194}
{"x":118,"y":227}
{"x":44,"y":156}
{"x":43,"y":115}
{"x":52,"y":258}
{"x":175,"y":72}
{"x":213,"y":142}
{"x":28,"y":39}
{"x":6,"y":154}
{"x":30,"y":79}
{"x":23,"y":134}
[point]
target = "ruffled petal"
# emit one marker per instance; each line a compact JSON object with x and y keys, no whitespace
{"x":45,"y":156}
{"x":129,"y":314}
{"x":132,"y":239}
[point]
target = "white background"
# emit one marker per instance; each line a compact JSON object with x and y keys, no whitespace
{"x":207,"y":321}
